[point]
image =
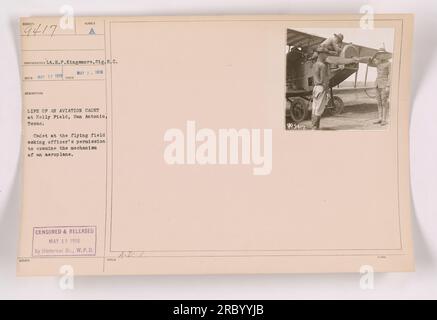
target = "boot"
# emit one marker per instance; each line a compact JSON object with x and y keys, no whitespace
{"x":313,"y":122}
{"x":318,"y":122}
{"x":379,"y":115}
{"x":384,"y":116}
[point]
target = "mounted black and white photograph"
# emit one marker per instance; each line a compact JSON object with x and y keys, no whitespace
{"x":338,"y":79}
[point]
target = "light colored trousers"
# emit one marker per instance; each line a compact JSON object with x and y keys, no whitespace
{"x":320,"y":100}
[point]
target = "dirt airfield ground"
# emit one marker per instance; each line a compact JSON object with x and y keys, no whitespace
{"x":359,"y":114}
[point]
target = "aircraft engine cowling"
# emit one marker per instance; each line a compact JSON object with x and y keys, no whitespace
{"x":349,"y":51}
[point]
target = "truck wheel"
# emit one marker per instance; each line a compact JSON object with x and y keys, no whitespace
{"x":335,"y":106}
{"x":297,"y":109}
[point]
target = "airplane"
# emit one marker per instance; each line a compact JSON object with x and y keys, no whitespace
{"x":300,"y":81}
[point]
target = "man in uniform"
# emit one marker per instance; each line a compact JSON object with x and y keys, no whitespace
{"x":321,"y":87}
{"x":383,"y":67}
{"x":333,"y":45}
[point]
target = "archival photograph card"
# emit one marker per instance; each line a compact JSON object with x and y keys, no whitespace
{"x":215,"y":144}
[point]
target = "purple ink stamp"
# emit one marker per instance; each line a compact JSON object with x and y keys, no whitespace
{"x":64,"y":241}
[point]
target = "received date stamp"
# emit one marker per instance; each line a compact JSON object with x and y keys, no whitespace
{"x":61,"y":241}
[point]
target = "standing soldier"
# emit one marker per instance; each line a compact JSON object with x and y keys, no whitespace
{"x":321,"y":87}
{"x":383,"y":67}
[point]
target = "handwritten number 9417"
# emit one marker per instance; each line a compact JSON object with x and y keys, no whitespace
{"x":40,"y":29}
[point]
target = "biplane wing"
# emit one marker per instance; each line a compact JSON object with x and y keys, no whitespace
{"x":306,"y":40}
{"x":366,"y":55}
{"x":364,"y":52}
{"x":301,"y":39}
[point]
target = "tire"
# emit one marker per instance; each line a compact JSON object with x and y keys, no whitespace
{"x":297,"y":109}
{"x":335,"y":106}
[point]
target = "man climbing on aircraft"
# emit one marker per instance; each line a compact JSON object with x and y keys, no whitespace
{"x":333,"y":45}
